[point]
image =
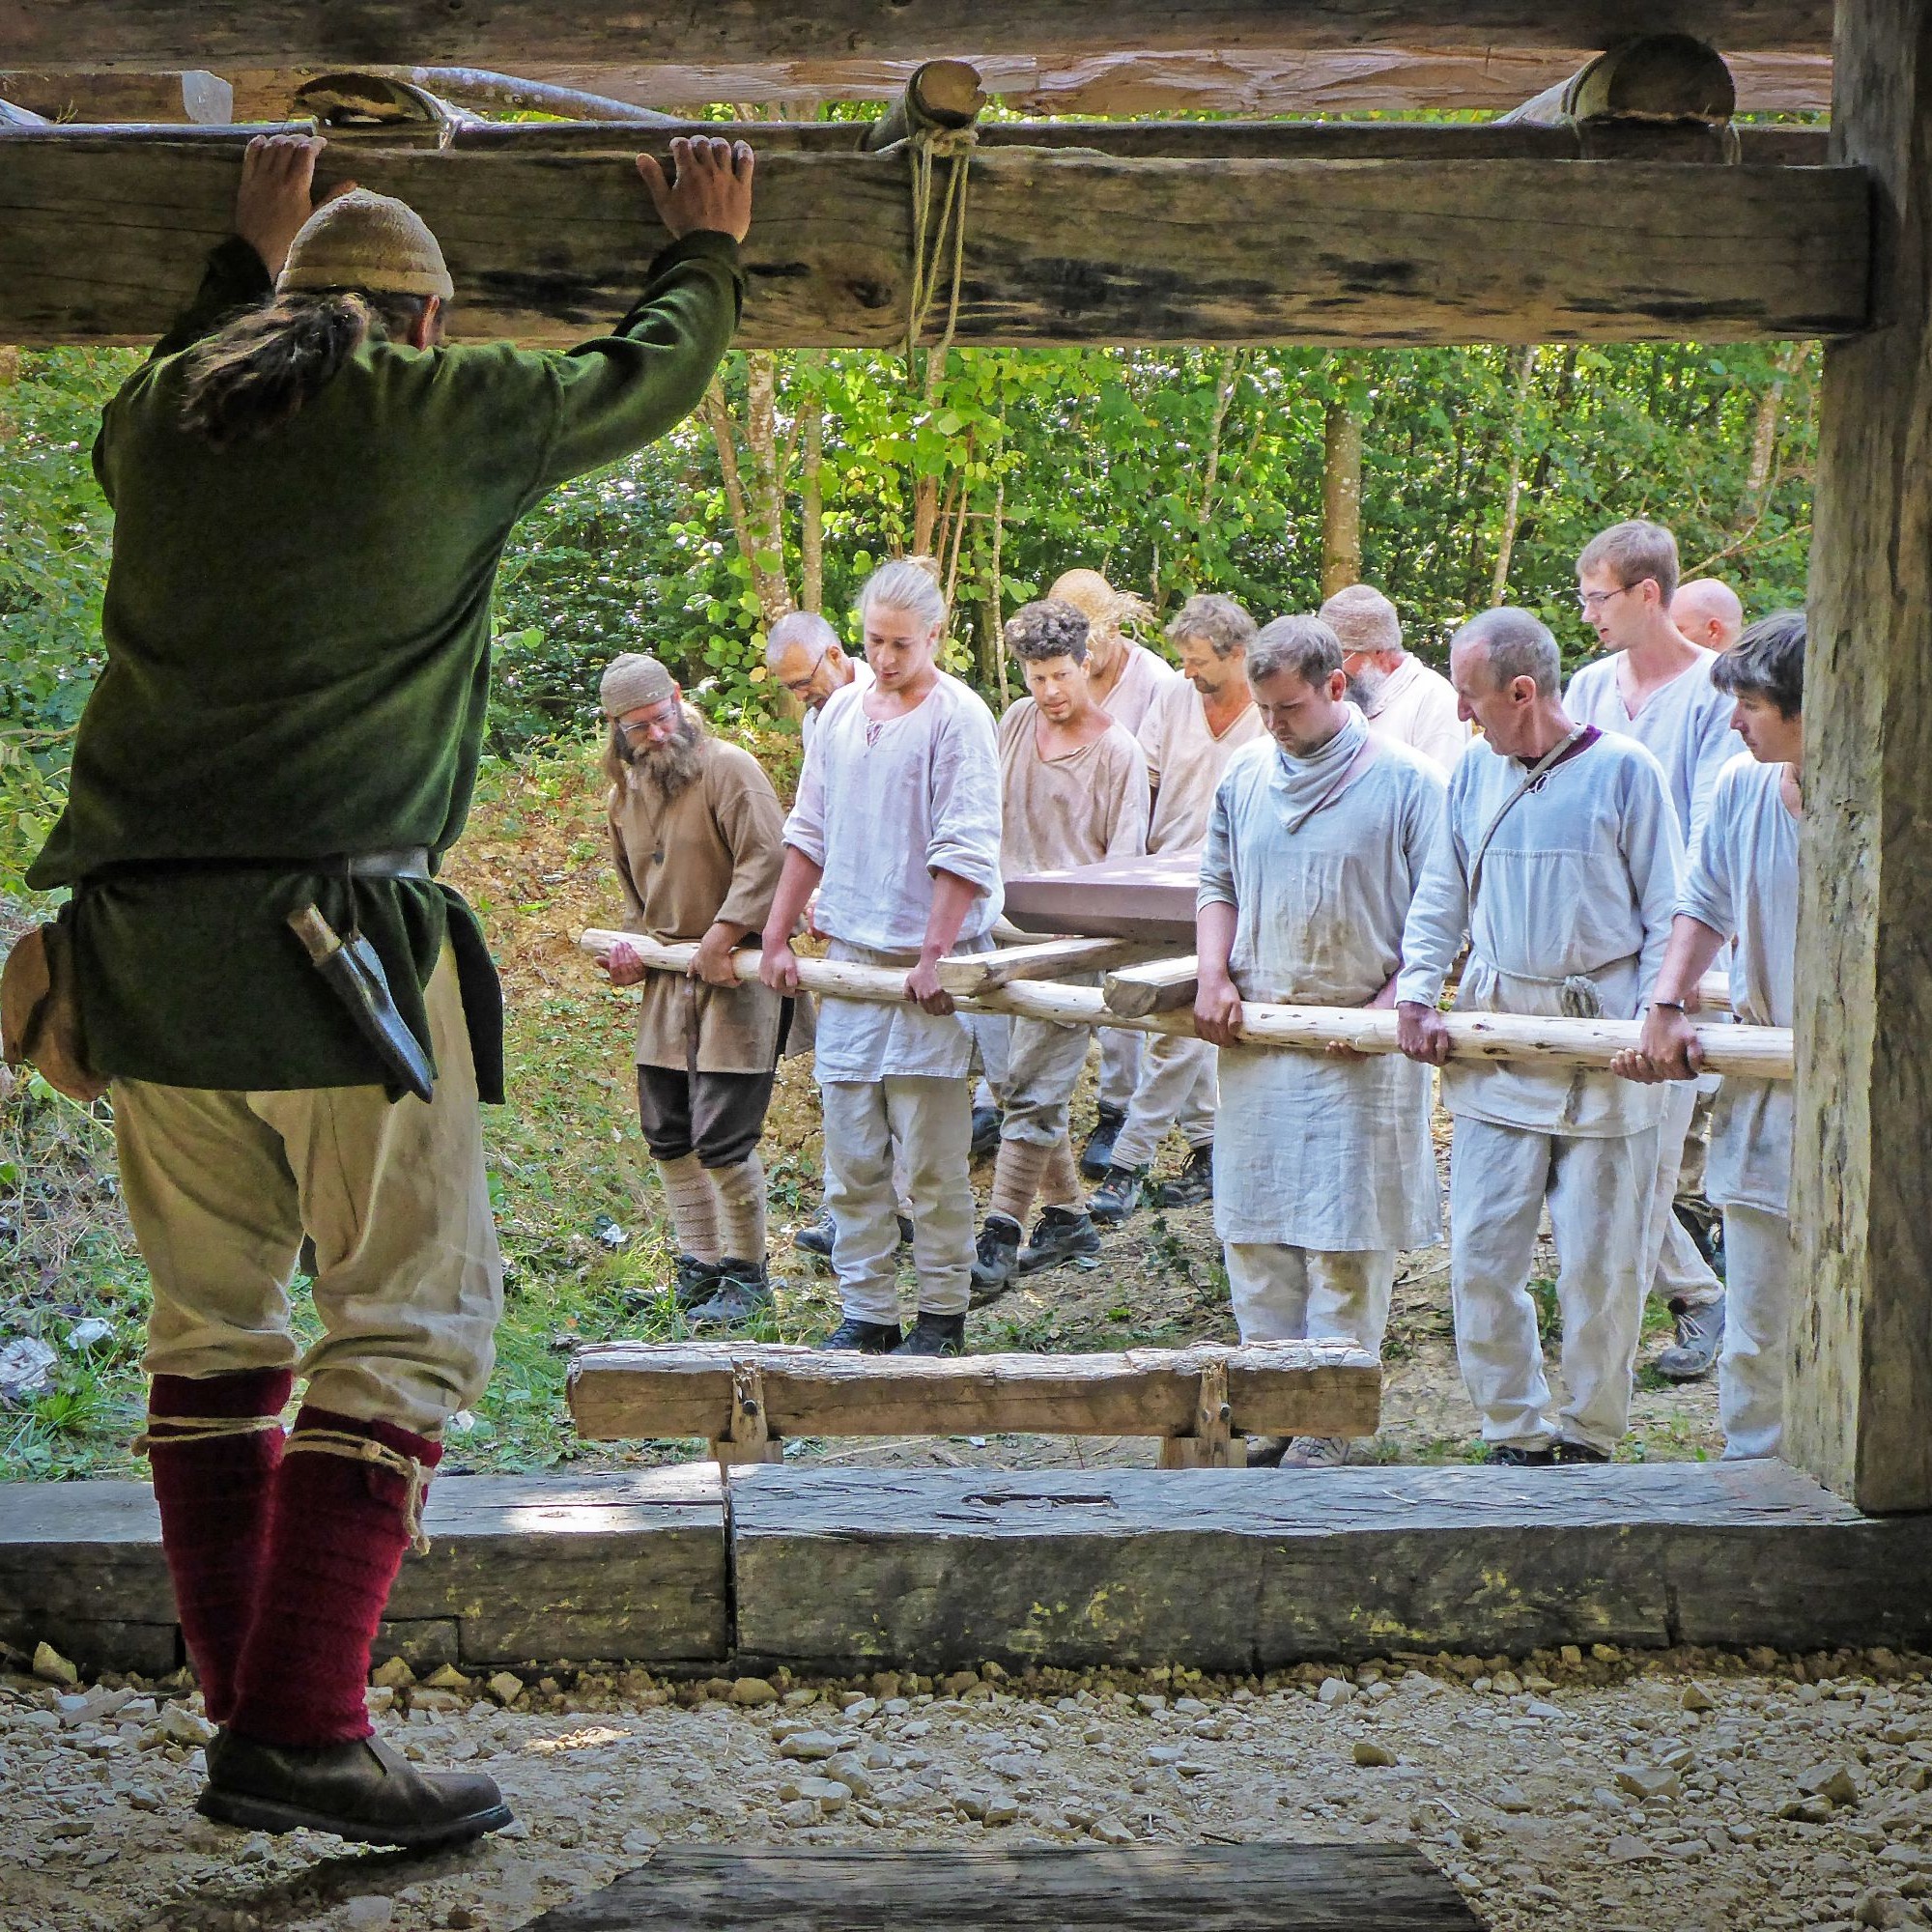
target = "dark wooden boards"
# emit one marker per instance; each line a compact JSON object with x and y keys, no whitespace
{"x":289,"y":33}
{"x":520,"y":1569}
{"x":1238,"y":1570}
{"x":1052,"y":1887}
{"x":103,"y":237}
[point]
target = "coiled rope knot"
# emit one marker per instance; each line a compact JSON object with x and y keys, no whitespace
{"x":939,"y":240}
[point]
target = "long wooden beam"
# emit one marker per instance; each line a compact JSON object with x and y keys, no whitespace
{"x":1756,"y":1053}
{"x":293,"y":32}
{"x":103,"y":235}
{"x":1348,"y":81}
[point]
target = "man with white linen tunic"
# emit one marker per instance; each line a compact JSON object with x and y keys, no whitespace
{"x":1654,"y":686}
{"x":1323,"y":1165}
{"x":896,"y":824}
{"x":1559,"y":860}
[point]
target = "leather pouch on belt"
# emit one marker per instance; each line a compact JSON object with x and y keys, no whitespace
{"x":40,"y":1015}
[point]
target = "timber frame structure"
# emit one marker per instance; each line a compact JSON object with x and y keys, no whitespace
{"x":1597,"y":214}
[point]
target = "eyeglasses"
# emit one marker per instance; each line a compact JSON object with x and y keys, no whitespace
{"x":800,"y":687}
{"x":1590,"y":602}
{"x":658,"y":720}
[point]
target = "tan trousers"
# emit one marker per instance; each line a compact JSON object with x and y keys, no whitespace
{"x":1283,"y":1293}
{"x":221,"y":1187}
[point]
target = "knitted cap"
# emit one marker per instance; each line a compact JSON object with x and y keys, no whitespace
{"x":634,"y":681}
{"x":1363,"y":618}
{"x":371,"y":241}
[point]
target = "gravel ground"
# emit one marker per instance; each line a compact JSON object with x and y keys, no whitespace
{"x":1600,"y":1791}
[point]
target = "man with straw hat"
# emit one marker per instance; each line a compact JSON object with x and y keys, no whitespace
{"x":311,"y":496}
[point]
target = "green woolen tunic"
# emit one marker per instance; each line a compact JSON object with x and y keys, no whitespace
{"x":297,"y":664}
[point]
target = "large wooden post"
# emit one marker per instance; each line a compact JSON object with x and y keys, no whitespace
{"x":1861,"y":1388}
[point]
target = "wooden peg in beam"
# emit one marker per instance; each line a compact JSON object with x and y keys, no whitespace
{"x":750,"y":1438}
{"x":1213,"y":1444}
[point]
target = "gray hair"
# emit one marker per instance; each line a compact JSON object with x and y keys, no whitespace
{"x":805,"y":630}
{"x":908,"y":584}
{"x":1217,"y":618}
{"x":1516,"y":643}
{"x":1305,"y":646}
{"x":1767,"y":662}
{"x":1363,"y":618}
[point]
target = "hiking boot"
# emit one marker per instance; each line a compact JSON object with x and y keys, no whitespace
{"x":905,"y":1231}
{"x":1317,"y":1452}
{"x":1700,"y":1334}
{"x":744,"y":1293}
{"x":817,"y":1239}
{"x":999,"y":1249}
{"x":869,"y":1338}
{"x":935,"y":1335}
{"x":361,"y":1791}
{"x":693,"y":1281}
{"x":1096,"y":1152}
{"x":985,"y":1131}
{"x":1194,"y":1183}
{"x":1265,"y":1452}
{"x":1580,"y":1452}
{"x":1509,"y":1456}
{"x":1705,"y":1225}
{"x":1060,"y":1235}
{"x":1117,"y":1196}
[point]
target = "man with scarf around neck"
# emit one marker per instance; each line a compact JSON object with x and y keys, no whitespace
{"x":1559,"y":860}
{"x":1324,"y":1166}
{"x":698,"y":839}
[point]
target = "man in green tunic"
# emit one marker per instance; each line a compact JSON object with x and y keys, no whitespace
{"x":311,"y":496}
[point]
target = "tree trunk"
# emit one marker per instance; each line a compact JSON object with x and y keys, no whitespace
{"x":766,"y":490}
{"x":1764,"y":435}
{"x":1513,"y":493}
{"x":811,"y":516}
{"x":1341,"y":497}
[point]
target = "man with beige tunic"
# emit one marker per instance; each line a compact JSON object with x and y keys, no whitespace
{"x":1190,"y":732}
{"x":1400,"y":697}
{"x":1074,"y":791}
{"x":697,"y":838}
{"x":1323,"y":1165}
{"x":1125,"y":679}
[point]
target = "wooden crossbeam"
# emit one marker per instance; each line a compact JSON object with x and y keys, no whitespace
{"x":1754,"y":1053}
{"x":547,"y":243}
{"x":1368,"y":80}
{"x":292,"y":33}
{"x":664,"y":1391}
{"x":1162,"y":987}
{"x":968,"y":974}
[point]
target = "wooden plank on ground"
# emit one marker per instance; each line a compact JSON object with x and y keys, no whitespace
{"x":1061,"y":246}
{"x":523,"y":1566}
{"x":678,"y":1389}
{"x":1164,"y":986}
{"x":855,"y":1569}
{"x":968,"y":973}
{"x":1056,"y":1888}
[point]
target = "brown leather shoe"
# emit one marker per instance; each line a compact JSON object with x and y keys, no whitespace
{"x":362,"y":1791}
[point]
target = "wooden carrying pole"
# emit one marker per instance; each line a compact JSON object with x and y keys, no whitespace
{"x":1450,"y":244}
{"x":1751,"y":1052}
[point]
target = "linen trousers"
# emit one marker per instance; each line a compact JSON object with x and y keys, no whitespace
{"x":930,"y":1122}
{"x":1177,"y":1088}
{"x":1597,"y":1192}
{"x":1675,"y":1270}
{"x":1043,"y":1069}
{"x":1759,"y":1262}
{"x":1283,"y":1293}
{"x":1119,"y":1067}
{"x":221,"y":1187}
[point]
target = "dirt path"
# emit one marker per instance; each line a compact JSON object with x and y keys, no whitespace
{"x":1594,"y":1793}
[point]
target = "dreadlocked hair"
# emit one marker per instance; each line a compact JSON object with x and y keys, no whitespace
{"x":257,"y":373}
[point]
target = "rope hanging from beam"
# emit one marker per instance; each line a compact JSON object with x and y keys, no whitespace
{"x":933,"y":241}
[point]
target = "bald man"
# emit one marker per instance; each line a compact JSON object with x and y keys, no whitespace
{"x":1706,"y":612}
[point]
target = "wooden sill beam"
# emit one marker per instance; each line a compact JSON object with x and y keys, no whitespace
{"x":666,"y":1391}
{"x":141,"y":34}
{"x":966,"y":974}
{"x":1163,"y":986}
